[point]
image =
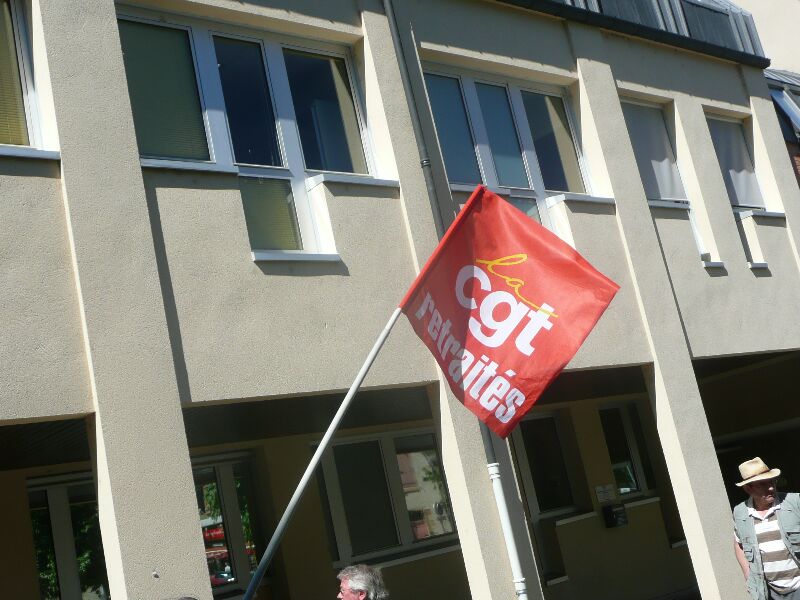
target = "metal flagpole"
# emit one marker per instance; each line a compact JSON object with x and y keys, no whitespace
{"x":312,"y":466}
{"x":493,"y":466}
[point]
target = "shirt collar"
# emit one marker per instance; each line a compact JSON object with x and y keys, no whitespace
{"x":776,"y":505}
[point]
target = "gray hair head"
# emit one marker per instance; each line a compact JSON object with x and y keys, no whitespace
{"x":363,"y":578}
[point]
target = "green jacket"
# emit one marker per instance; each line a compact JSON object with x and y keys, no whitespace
{"x":789,"y":522}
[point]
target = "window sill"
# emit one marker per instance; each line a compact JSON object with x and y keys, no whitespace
{"x":767,"y":214}
{"x":351,"y":179}
{"x":574,"y":518}
{"x":757,"y":265}
{"x":580,"y":198}
{"x":29,"y":152}
{"x":293,"y":256}
{"x":713,"y":264}
{"x":557,"y":580}
{"x":669,"y":203}
{"x":642,"y":501}
{"x":185,"y":165}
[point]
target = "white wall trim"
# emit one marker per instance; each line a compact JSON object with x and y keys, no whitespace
{"x":348,"y":178}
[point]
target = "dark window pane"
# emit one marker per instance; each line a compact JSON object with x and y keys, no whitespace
{"x":635,"y":11}
{"x":247,"y":102}
{"x":43,"y":544}
{"x":218,"y":559}
{"x":709,"y":25}
{"x":452,"y":128}
{"x":88,"y":544}
{"x":13,"y":129}
{"x":552,"y":139}
{"x":163,"y":91}
{"x":367,"y":503}
{"x":269,"y":213}
{"x":424,"y":487}
{"x":618,"y":450}
{"x":502,"y":134}
{"x":546,"y":460}
{"x":526,"y":205}
{"x":325,"y":112}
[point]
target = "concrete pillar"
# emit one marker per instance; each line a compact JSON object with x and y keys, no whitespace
{"x":678,"y":407}
{"x":463,"y":455}
{"x":148,"y":511}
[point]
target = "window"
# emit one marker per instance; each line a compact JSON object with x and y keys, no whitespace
{"x":624,"y":438}
{"x":543,"y":460}
{"x":735,"y":163}
{"x":15,"y":122}
{"x":66,"y":535}
{"x":243,"y":103}
{"x":505,"y":137}
{"x":653,"y":150}
{"x":163,"y":90}
{"x":643,"y":12}
{"x":387,"y":496}
{"x":226,"y":501}
{"x":712,"y":26}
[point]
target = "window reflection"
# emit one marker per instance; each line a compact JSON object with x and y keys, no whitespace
{"x":423,"y":486}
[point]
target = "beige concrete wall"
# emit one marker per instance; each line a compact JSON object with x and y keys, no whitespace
{"x":43,"y":366}
{"x":775,"y":22}
{"x":250,"y":329}
{"x":594,"y":557}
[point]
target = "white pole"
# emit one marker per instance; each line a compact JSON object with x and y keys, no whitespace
{"x":312,"y":466}
{"x":493,"y":466}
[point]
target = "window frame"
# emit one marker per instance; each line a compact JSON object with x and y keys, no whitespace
{"x":740,"y":46}
{"x":24,"y":54}
{"x":231,"y":514}
{"x":527,"y":474}
{"x":312,"y":218}
{"x":467,"y":79}
{"x":670,"y":141}
{"x":56,"y":489}
{"x":738,"y":208}
{"x":407,"y":548}
{"x":646,"y":488}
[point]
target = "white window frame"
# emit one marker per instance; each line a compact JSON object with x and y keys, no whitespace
{"x":56,"y":489}
{"x":405,"y":536}
{"x":674,"y":203}
{"x":231,"y":515}
{"x":311,"y":212}
{"x":740,"y":208}
{"x":645,"y":487}
{"x":37,"y":145}
{"x":514,"y":88}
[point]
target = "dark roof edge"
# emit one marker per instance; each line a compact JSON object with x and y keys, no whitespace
{"x":588,"y":17}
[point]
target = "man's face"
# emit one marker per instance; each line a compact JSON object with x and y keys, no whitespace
{"x":762,"y":492}
{"x":345,"y":593}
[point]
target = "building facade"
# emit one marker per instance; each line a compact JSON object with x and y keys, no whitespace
{"x":210,"y":208}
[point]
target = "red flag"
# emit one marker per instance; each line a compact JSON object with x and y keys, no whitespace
{"x":503,"y":304}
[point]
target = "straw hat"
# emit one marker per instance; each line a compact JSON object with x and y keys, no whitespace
{"x":756,"y":470}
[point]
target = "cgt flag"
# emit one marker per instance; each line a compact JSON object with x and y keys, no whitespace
{"x":503,"y":304}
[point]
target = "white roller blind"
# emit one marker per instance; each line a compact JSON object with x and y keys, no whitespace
{"x":735,"y":163}
{"x":654,"y":155}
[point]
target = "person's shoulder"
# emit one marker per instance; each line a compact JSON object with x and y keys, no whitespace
{"x":740,"y":509}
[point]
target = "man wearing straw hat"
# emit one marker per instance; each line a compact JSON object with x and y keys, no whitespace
{"x":767,"y":530}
